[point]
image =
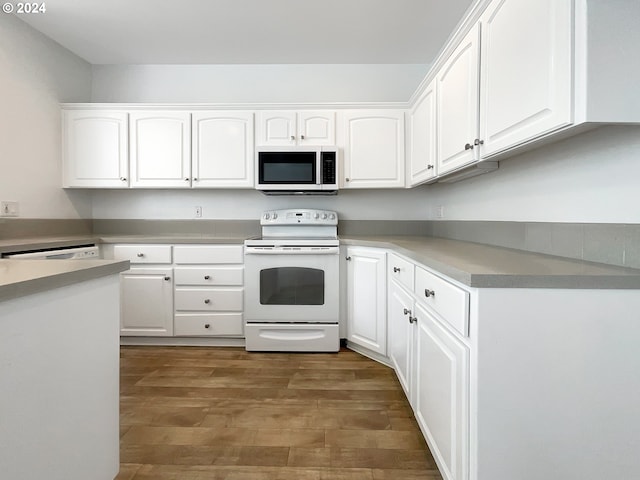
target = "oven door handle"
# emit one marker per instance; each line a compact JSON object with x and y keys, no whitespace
{"x":292,"y":251}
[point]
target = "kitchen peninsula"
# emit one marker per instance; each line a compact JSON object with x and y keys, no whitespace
{"x":59,"y":365}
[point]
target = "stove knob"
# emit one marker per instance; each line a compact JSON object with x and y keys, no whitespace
{"x":316,"y":215}
{"x":275,"y":215}
{"x":332,"y":216}
{"x":324,"y":216}
{"x":267,"y":216}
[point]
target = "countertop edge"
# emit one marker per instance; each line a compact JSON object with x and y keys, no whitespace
{"x":88,"y":271}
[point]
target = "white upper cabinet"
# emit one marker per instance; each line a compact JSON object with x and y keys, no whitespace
{"x":160,"y":152}
{"x":95,"y":149}
{"x":526,"y":71}
{"x":223,"y":149}
{"x":374,"y":149}
{"x":422,"y":138}
{"x":457,"y":106}
{"x":280,"y":128}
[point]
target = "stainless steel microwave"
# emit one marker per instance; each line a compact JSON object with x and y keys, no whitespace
{"x":297,"y":169}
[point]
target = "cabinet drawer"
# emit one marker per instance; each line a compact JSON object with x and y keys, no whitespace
{"x":143,"y":253}
{"x":448,"y":301}
{"x":209,"y":299}
{"x":401,"y":270}
{"x":212,"y":275}
{"x":198,"y":254}
{"x":208,"y":324}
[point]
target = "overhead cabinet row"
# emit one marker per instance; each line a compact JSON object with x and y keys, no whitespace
{"x":527,"y":72}
{"x":216,"y":149}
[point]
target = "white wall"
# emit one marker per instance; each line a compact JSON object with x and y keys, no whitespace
{"x":249,"y":204}
{"x":36,"y":74}
{"x":593,"y":177}
{"x":255,"y":83}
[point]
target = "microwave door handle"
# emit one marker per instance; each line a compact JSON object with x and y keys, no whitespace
{"x":318,"y":168}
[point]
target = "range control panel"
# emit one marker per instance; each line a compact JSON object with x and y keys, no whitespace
{"x":299,"y":217}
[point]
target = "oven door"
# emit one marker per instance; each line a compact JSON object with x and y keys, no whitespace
{"x":291,"y":287}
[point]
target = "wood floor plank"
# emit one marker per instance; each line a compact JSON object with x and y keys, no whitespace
{"x":195,"y":413}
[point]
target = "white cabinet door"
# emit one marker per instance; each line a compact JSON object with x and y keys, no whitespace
{"x":366,"y":298}
{"x":316,"y":128}
{"x":400,"y":330}
{"x":222,"y":149}
{"x":422,"y":132}
{"x":95,"y":149}
{"x":374,"y":149}
{"x":276,"y":128}
{"x":146,"y":302}
{"x":457,"y":106}
{"x":526,"y":71}
{"x":160,"y":153}
{"x":442,"y":395}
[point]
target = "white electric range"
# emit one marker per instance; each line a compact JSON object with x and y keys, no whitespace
{"x":292,"y":283}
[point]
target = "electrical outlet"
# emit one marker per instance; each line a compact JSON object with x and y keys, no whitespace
{"x":198,"y":212}
{"x":440,"y":212}
{"x":9,"y":209}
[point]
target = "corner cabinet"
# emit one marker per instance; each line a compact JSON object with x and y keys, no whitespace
{"x":160,"y":154}
{"x":374,"y":149}
{"x":422,"y":140}
{"x":457,"y":105}
{"x":223,"y":150}
{"x":366,"y":298}
{"x":305,"y":127}
{"x":95,"y":149}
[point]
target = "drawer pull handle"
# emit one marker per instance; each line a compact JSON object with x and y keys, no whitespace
{"x":207,"y":301}
{"x":396,"y":269}
{"x":413,"y":319}
{"x":429,"y":293}
{"x":167,"y":278}
{"x":347,"y":258}
{"x":407,"y":312}
{"x":207,"y":325}
{"x":207,"y":277}
{"x":140,"y":255}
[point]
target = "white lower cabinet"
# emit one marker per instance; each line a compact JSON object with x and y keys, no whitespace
{"x":146,"y":302}
{"x":209,"y":292}
{"x":442,"y":394}
{"x":400,"y":336}
{"x":366,"y":298}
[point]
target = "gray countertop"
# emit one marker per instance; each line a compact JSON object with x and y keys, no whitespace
{"x":486,"y":266}
{"x":472,"y":264}
{"x":25,"y":277}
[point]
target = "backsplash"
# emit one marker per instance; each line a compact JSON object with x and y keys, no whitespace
{"x":36,"y":227}
{"x":611,"y":243}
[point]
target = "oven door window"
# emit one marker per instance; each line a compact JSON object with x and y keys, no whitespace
{"x":291,"y":286}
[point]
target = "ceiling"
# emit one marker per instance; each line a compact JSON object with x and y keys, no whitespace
{"x":251,"y":31}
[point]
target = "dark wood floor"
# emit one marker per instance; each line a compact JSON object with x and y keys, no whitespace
{"x":192,"y":413}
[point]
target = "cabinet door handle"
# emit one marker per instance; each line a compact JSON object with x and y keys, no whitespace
{"x":207,"y":325}
{"x":396,"y":269}
{"x":407,"y":311}
{"x":477,"y":142}
{"x":195,"y":179}
{"x":207,"y":277}
{"x":167,"y":278}
{"x":468,"y":146}
{"x":302,"y":137}
{"x":413,"y":319}
{"x":186,"y":179}
{"x":293,"y":137}
{"x":429,"y":293}
{"x":429,"y":167}
{"x":123,"y":179}
{"x":140,"y":255}
{"x":207,"y":301}
{"x":347,"y":258}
